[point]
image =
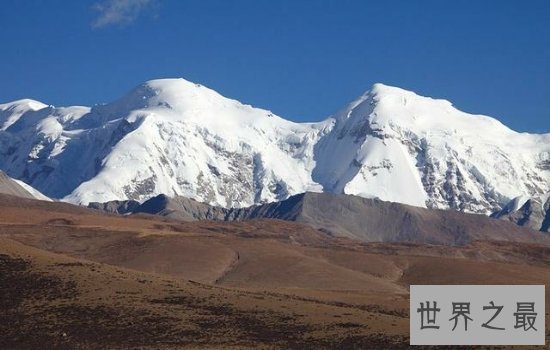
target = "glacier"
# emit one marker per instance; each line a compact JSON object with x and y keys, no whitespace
{"x":175,"y":137}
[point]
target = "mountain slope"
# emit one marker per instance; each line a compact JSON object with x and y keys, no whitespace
{"x":363,"y":219}
{"x":177,"y":138}
{"x":166,"y":136}
{"x":73,"y":278}
{"x":398,"y":146}
{"x":19,"y":188}
{"x":529,"y":212}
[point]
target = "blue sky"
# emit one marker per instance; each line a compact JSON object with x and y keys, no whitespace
{"x":302,"y":59}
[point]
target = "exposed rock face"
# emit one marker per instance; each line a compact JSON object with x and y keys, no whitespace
{"x":115,"y":207}
{"x":529,"y":212}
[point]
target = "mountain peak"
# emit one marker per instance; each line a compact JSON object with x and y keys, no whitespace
{"x":384,"y":105}
{"x":380,"y":89}
{"x":179,"y":98}
{"x":170,"y":83}
{"x":173,"y":87}
{"x":175,"y":93}
{"x":11,"y":112}
{"x":402,"y":97}
{"x":396,"y":104}
{"x":23,"y":104}
{"x":172,"y":98}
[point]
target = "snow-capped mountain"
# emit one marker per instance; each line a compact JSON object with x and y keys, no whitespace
{"x":178,"y":138}
{"x":402,"y":147}
{"x":166,"y":136}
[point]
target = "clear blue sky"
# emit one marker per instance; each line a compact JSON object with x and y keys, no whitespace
{"x":303,"y":59}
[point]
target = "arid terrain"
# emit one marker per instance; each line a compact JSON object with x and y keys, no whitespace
{"x":77,"y":278}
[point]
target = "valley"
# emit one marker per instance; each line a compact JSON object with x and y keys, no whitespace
{"x":81,"y":278}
